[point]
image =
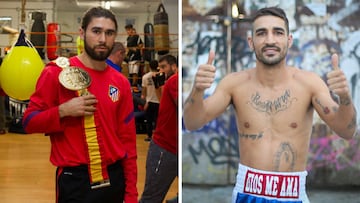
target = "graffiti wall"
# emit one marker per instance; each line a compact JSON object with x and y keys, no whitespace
{"x":210,"y":155}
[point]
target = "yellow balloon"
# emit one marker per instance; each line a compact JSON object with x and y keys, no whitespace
{"x":20,"y":71}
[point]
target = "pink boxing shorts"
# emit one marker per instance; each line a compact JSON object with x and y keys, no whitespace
{"x":257,"y":186}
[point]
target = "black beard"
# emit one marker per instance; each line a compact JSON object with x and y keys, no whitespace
{"x":270,"y":62}
{"x":97,"y":56}
{"x":169,"y":74}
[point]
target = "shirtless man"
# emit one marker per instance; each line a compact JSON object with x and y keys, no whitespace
{"x":274,"y":104}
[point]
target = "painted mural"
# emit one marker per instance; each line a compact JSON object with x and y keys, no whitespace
{"x":319,"y":29}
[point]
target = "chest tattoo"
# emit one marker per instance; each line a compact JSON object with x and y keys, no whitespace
{"x":271,"y":107}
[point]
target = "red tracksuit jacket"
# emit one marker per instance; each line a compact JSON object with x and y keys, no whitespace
{"x":113,"y":121}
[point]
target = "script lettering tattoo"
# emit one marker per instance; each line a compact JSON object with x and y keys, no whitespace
{"x":285,"y":156}
{"x":251,"y":136}
{"x":325,"y":109}
{"x":271,"y":107}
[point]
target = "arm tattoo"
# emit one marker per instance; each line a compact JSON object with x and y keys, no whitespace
{"x":325,"y":109}
{"x":251,"y":136}
{"x":190,"y":100}
{"x":285,"y":156}
{"x":271,"y":107}
{"x":345,"y":101}
{"x":352,"y":123}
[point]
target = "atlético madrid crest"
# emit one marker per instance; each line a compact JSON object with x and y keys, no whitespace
{"x":114,"y":93}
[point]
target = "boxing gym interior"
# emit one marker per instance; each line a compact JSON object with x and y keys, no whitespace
{"x":51,"y":27}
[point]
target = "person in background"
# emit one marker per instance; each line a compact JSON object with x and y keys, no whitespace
{"x":133,"y":57}
{"x":89,"y":118}
{"x":166,"y":64}
{"x":117,"y":56}
{"x":162,"y":157}
{"x":79,"y":45}
{"x":274,"y":104}
{"x":152,"y":101}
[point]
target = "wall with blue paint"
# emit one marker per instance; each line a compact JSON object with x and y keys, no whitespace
{"x":210,"y":155}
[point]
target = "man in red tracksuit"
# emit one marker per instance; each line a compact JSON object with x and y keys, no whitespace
{"x":92,"y":129}
{"x":162,"y":157}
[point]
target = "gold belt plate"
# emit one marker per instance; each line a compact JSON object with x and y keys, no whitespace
{"x":74,"y":78}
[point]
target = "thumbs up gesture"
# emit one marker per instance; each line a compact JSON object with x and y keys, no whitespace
{"x":205,"y":74}
{"x":336,"y":80}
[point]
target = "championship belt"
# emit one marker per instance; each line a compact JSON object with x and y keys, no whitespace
{"x":72,"y":77}
{"x":77,"y":79}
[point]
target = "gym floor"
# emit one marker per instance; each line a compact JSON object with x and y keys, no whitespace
{"x":26,"y":174}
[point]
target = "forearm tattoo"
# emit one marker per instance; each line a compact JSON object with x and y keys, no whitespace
{"x":345,"y":101}
{"x":352,"y":123}
{"x":251,"y":136}
{"x":271,"y":107}
{"x":190,"y":100}
{"x":285,"y":156}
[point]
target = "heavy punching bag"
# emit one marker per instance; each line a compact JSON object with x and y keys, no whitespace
{"x":149,"y":53}
{"x":161,"y":31}
{"x":37,"y":36}
{"x":20,"y":69}
{"x":52,"y":40}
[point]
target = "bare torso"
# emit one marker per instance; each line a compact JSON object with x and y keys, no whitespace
{"x":274,"y":123}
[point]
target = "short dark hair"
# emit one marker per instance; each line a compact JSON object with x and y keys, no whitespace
{"x":97,"y":12}
{"x":153,"y":64}
{"x":272,"y":11}
{"x":128,"y":26}
{"x":170,"y":59}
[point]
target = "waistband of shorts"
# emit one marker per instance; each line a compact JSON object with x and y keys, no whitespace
{"x":85,"y":168}
{"x":243,"y":168}
{"x":278,"y":185}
